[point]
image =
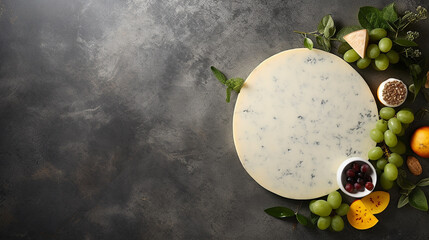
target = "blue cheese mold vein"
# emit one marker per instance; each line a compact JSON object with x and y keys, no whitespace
{"x":301,"y":113}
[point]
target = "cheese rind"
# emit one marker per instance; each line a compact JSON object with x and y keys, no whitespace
{"x":299,"y":114}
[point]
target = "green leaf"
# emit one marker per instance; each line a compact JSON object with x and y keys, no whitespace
{"x":418,"y":200}
{"x":403,"y":42}
{"x":403,"y":200}
{"x":371,"y":17}
{"x":343,"y":48}
{"x":308,"y":43}
{"x":330,"y":29}
{"x":405,"y":192}
{"x":235,"y":84}
{"x":404,"y":183}
{"x":389,"y":13}
{"x":219,"y":75}
{"x":228,"y":94}
{"x":314,"y":219}
{"x":324,"y":43}
{"x":418,"y":78}
{"x":346,"y":30}
{"x":302,"y":219}
{"x":280,"y":212}
{"x":322,"y":24}
{"x":423,"y":182}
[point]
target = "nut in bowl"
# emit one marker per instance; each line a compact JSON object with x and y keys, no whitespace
{"x":356,"y":177}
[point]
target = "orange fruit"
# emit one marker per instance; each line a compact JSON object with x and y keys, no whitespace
{"x":420,"y":142}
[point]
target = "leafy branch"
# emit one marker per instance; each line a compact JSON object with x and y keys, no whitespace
{"x":411,"y":193}
{"x":284,"y":212}
{"x":324,"y":34}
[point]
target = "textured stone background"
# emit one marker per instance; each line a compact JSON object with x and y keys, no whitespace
{"x":112,"y":126}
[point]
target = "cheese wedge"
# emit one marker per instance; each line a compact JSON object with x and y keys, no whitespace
{"x":358,"y":40}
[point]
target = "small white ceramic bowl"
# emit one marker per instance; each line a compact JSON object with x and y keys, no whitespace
{"x":341,"y":176}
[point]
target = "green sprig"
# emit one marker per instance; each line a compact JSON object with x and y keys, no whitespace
{"x":231,"y":84}
{"x":284,"y":212}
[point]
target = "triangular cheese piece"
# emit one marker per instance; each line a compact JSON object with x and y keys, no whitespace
{"x":358,"y":40}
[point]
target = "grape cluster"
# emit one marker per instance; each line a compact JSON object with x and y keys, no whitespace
{"x":330,"y":211}
{"x":379,"y":53}
{"x":387,"y":153}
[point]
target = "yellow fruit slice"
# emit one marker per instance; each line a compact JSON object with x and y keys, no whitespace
{"x":358,"y":40}
{"x":377,"y":201}
{"x":360,"y":217}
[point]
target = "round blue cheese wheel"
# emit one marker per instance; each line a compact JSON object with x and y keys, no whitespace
{"x":299,"y":114}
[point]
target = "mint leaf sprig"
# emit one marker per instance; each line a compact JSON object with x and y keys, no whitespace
{"x":231,"y":84}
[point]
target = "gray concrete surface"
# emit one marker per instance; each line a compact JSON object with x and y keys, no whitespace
{"x":112,"y":126}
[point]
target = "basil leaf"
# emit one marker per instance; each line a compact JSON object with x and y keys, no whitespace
{"x":418,"y":200}
{"x":403,"y":42}
{"x":405,"y":191}
{"x":330,"y":29}
{"x":314,"y":219}
{"x":319,"y":41}
{"x":326,"y":44}
{"x":343,"y":48}
{"x":418,"y":79}
{"x":423,"y":183}
{"x":228,"y":94}
{"x":322,"y":24}
{"x":403,"y":200}
{"x":346,"y":30}
{"x":280,"y":212}
{"x":389,"y":13}
{"x":302,"y":219}
{"x":308,"y":43}
{"x":219,"y":75}
{"x":371,"y":17}
{"x":404,"y":183}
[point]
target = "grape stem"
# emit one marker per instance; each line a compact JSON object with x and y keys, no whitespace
{"x":385,"y":150}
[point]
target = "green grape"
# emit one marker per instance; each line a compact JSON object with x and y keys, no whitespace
{"x":390,"y":138}
{"x":386,"y":184}
{"x":375,"y":153}
{"x":311,"y":206}
{"x":337,"y":223}
{"x":402,"y":131}
{"x":351,"y":56}
{"x":385,"y":44}
{"x":405,"y":116}
{"x":376,"y":135}
{"x":377,"y":33}
{"x":390,"y":172}
{"x":382,"y":62}
{"x":381,"y":163}
{"x":394,"y":125}
{"x":334,"y":199}
{"x":381,"y":125}
{"x":387,"y":113}
{"x":399,"y":148}
{"x":324,"y":222}
{"x":363,"y":63}
{"x":322,"y":208}
{"x":343,"y":209}
{"x":393,"y":56}
{"x":372,"y":51}
{"x":396,"y":159}
{"x":374,"y":66}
